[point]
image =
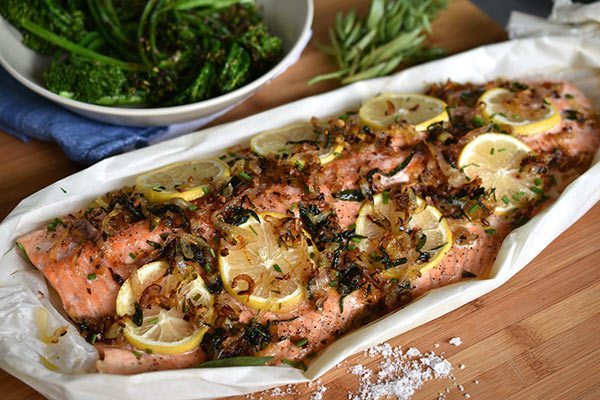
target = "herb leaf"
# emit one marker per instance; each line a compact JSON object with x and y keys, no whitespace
{"x":393,"y":32}
{"x":242,"y":361}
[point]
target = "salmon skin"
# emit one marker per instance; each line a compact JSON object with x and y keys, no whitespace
{"x":86,"y":256}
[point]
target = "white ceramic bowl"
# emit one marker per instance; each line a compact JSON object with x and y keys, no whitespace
{"x":289,"y":19}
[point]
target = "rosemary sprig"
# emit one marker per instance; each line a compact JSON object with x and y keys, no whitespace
{"x":393,"y":32}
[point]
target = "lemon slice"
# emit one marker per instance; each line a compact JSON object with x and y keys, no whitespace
{"x":501,"y":106}
{"x":263,"y":270}
{"x":162,"y":330}
{"x":187,"y":180}
{"x":390,"y":108}
{"x":281,"y":141}
{"x":496,"y":159}
{"x":382,"y":218}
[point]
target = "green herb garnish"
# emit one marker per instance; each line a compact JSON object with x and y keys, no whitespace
{"x":52,"y":225}
{"x":393,"y":32}
{"x":242,"y":361}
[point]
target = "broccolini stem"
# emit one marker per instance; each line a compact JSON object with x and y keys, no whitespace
{"x":213,"y":4}
{"x":141,"y":40}
{"x":76,"y":49}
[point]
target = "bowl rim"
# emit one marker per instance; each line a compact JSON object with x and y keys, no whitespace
{"x":215,"y":102}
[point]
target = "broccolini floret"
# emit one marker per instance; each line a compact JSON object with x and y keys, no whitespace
{"x":155,"y":52}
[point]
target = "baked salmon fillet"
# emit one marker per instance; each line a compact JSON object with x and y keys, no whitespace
{"x":269,"y":253}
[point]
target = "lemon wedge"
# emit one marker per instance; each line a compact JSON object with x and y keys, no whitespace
{"x":281,"y":142}
{"x":265,"y":270}
{"x":163,"y":330}
{"x":187,"y":180}
{"x":381,"y":224}
{"x":501,"y":106}
{"x":496,"y":159}
{"x":390,"y":108}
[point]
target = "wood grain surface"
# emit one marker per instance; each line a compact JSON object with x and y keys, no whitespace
{"x":536,"y":337}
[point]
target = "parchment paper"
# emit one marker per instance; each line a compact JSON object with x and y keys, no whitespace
{"x":23,"y":291}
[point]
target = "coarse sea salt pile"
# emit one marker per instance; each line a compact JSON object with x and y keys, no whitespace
{"x":399,"y":375}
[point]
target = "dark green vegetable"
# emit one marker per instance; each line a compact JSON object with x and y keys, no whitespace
{"x":393,"y":32}
{"x":242,"y":361}
{"x":154,"y":52}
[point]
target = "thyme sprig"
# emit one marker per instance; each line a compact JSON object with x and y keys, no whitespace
{"x":393,"y":32}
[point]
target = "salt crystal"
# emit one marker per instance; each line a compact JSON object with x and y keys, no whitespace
{"x":412,"y":352}
{"x":436,"y":345}
{"x":461,"y":366}
{"x":461,"y":388}
{"x":318,"y":394}
{"x":476,"y":382}
{"x":467,"y":396}
{"x":398,"y":375}
{"x":455,"y":341}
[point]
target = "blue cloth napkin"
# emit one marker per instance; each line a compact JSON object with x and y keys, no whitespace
{"x":26,"y":115}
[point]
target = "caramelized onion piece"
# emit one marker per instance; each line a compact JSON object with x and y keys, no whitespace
{"x":248,"y":280}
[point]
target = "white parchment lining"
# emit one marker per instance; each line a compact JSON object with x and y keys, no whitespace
{"x":23,"y":290}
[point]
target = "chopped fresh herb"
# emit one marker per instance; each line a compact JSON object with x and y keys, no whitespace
{"x":132,"y":256}
{"x":91,"y":276}
{"x":137,"y":354}
{"x":206,"y":190}
{"x":333,"y":283}
{"x":302,"y":342}
{"x":518,"y":196}
{"x":385,"y":196}
{"x":212,"y":252}
{"x":546,"y":102}
{"x":148,"y":351}
{"x":207,"y":268}
{"x":344,"y":117}
{"x":52,"y":225}
{"x":468,"y":274}
{"x":311,"y":255}
{"x":477,"y":121}
{"x":505,"y":199}
{"x":277,"y":268}
{"x":299,"y":165}
{"x":421,"y":242}
{"x":253,"y":230}
{"x":501,"y":150}
{"x":537,"y":181}
{"x":63,"y":190}
{"x":154,"y":244}
{"x":574,"y":115}
{"x":245,"y":176}
{"x":536,"y":190}
{"x":490,"y":231}
{"x":358,"y":238}
{"x":569,"y":96}
{"x":93,"y":338}
{"x":23,"y":252}
{"x":295,"y":364}
{"x":242,"y":361}
{"x":519,"y":86}
{"x":492,"y":151}
{"x":152,"y":321}
{"x":293,"y":207}
{"x":473,"y":208}
{"x":158,"y":188}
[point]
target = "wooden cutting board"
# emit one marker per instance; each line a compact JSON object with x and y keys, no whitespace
{"x":535,"y":337}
